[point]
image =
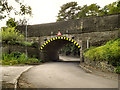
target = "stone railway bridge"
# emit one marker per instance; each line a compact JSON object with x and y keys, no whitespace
{"x":84,"y":33}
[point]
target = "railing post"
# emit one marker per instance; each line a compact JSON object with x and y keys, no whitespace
{"x":39,"y":45}
{"x":81,"y":51}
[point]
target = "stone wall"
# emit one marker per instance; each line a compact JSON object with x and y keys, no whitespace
{"x":15,"y":48}
{"x":96,"y":38}
{"x":83,"y":25}
{"x":103,"y":65}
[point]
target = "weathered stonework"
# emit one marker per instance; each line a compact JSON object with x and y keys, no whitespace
{"x":90,"y":24}
{"x":94,"y":30}
{"x":103,"y":65}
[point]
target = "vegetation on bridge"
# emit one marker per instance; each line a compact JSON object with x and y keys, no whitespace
{"x":109,"y":52}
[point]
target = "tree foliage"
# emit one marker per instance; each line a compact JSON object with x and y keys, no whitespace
{"x":6,"y":9}
{"x":71,"y":10}
{"x":10,"y":34}
{"x":110,"y":9}
{"x":11,"y":22}
{"x":91,"y":10}
{"x":68,"y":11}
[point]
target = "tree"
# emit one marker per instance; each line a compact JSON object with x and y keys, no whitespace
{"x":118,"y":4}
{"x":22,"y":21}
{"x":11,"y":22}
{"x":6,"y":9}
{"x":10,"y":34}
{"x":91,"y":10}
{"x":68,"y":11}
{"x":82,"y":12}
{"x":111,"y":8}
{"x":71,"y":10}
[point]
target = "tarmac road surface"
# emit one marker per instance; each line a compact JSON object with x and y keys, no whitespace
{"x":64,"y":75}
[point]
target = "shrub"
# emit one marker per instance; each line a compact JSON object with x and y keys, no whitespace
{"x":23,"y":43}
{"x":32,"y":61}
{"x":35,"y":45}
{"x":22,"y":59}
{"x":10,"y":62}
{"x":16,"y":54}
{"x":109,"y":52}
{"x":26,"y":43}
{"x":117,"y":70}
{"x":17,"y":58}
{"x":70,"y":49}
{"x":88,"y":49}
{"x":10,"y":34}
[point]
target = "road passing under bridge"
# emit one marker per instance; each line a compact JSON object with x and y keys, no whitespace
{"x":63,"y":75}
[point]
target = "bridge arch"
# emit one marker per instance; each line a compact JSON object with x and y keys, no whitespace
{"x":49,"y":49}
{"x":59,"y":38}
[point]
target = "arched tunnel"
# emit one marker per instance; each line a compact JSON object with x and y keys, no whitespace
{"x":49,"y":50}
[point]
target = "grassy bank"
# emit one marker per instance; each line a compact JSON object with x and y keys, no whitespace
{"x":109,"y":52}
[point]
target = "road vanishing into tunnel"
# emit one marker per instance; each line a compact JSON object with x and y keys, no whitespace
{"x":63,"y":75}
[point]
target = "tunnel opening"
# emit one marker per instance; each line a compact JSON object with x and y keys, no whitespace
{"x":51,"y":49}
{"x":69,"y":52}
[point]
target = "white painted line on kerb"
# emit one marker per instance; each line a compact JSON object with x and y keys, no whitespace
{"x":16,"y":79}
{"x":0,"y":60}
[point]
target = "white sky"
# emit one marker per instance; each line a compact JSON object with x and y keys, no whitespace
{"x":45,"y":11}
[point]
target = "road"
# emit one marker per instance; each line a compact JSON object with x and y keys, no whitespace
{"x":70,"y":58}
{"x":63,"y":75}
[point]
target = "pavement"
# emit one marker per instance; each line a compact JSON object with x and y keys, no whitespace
{"x":10,"y":74}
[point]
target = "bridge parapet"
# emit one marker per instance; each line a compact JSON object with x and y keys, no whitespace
{"x":83,"y":25}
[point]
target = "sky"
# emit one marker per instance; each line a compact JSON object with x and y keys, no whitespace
{"x":45,"y":11}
